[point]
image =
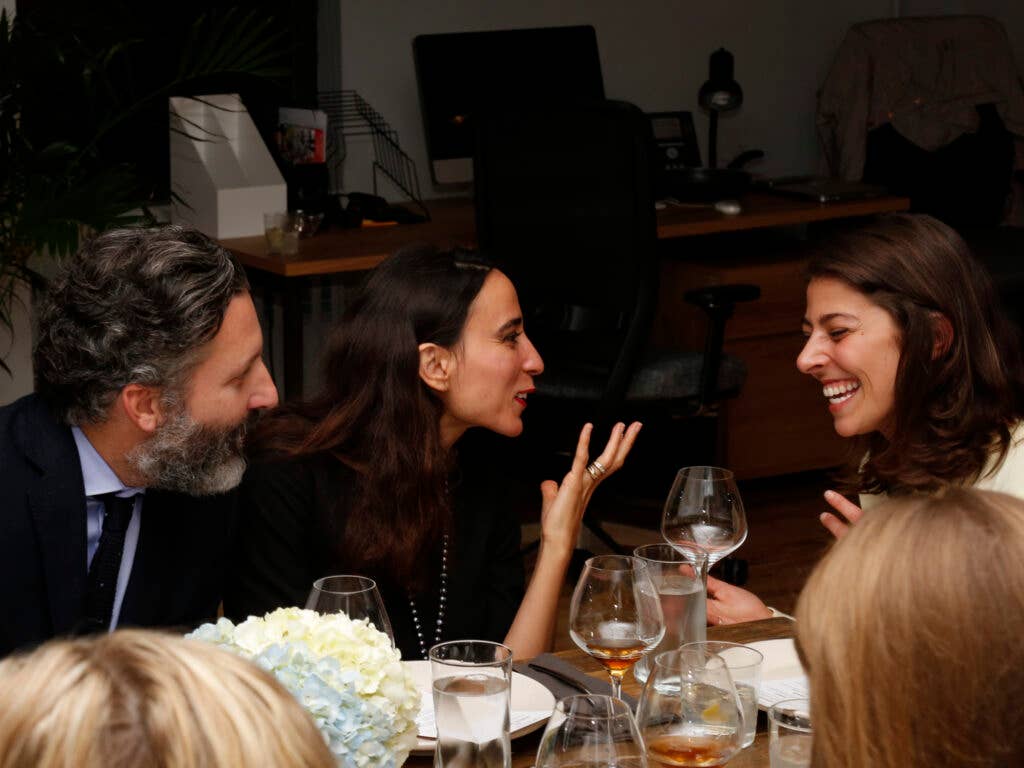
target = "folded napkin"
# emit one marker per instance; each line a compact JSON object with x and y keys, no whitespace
{"x":552,"y":672}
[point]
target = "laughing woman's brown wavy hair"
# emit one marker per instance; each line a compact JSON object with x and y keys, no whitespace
{"x":956,"y":401}
{"x":375,"y":415}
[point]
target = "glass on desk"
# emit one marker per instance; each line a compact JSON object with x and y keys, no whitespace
{"x":791,"y":735}
{"x":355,"y":596}
{"x":282,"y":233}
{"x":689,"y":713}
{"x":704,"y":508}
{"x":680,"y":574}
{"x":472,"y":683}
{"x":615,"y":615}
{"x":744,"y":665}
{"x":591,"y":731}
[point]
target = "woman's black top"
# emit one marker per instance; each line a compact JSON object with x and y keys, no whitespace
{"x":290,"y":515}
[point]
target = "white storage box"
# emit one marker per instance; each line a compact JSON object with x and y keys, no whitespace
{"x":220,"y":168}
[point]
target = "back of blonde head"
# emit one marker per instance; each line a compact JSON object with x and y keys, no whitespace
{"x":136,"y":698}
{"x":912,"y":629}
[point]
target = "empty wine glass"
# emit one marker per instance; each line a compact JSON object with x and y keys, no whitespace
{"x":689,"y":713}
{"x":704,"y":507}
{"x":591,"y":731}
{"x":615,"y":614}
{"x":356,"y":596}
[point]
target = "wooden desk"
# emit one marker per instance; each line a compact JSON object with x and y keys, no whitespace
{"x":355,"y":250}
{"x":776,"y":404}
{"x":524,"y":749}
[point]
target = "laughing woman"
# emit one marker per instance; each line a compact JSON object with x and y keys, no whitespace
{"x":366,"y":478}
{"x":917,"y":363}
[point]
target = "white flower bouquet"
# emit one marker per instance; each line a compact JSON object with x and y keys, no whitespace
{"x":344,"y":672}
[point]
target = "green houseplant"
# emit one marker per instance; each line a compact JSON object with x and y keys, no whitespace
{"x":55,"y":181}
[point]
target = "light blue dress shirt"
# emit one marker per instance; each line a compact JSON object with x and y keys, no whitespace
{"x":99,"y":478}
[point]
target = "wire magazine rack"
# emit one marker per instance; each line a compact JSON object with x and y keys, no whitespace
{"x":349,"y":114}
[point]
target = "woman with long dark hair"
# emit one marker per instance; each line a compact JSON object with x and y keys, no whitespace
{"x":366,"y":478}
{"x":917,"y":363}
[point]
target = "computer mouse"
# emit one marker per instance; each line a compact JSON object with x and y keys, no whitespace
{"x":728,"y":207}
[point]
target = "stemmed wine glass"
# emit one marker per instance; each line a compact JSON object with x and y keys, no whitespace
{"x":356,"y":596}
{"x":689,"y":713}
{"x":704,"y":507}
{"x":591,"y":731}
{"x":615,"y":615}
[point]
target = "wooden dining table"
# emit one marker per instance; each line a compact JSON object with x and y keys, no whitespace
{"x":524,"y":748}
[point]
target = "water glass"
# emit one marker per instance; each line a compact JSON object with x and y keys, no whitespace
{"x":791,"y":735}
{"x":355,"y":596}
{"x":744,"y":664}
{"x":689,"y":714}
{"x":472,"y":681}
{"x":680,"y":575}
{"x":282,"y":232}
{"x":591,"y":731}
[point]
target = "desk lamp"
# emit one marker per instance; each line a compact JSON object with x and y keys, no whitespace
{"x":720,"y":93}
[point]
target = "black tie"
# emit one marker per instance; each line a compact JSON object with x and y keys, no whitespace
{"x":99,"y":600}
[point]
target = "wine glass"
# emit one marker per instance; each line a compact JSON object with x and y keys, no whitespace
{"x":591,"y":731}
{"x":689,"y":713}
{"x":355,"y":596}
{"x":615,"y":614}
{"x":704,"y":507}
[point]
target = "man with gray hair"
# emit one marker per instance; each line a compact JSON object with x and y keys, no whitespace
{"x":113,"y":474}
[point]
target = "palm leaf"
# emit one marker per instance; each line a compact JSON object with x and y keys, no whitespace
{"x":50,"y":194}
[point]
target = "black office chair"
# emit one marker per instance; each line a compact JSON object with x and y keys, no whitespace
{"x":564,"y":205}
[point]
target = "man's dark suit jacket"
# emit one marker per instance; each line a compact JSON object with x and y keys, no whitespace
{"x":180,"y":561}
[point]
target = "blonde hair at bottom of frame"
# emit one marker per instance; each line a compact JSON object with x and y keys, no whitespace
{"x":912,"y":631}
{"x":140,"y":698}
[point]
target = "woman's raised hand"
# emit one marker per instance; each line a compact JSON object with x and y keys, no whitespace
{"x":850,"y":511}
{"x":562,"y":505}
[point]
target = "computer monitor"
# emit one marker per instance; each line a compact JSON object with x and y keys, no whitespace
{"x":461,"y":73}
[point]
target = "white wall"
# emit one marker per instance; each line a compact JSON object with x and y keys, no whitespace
{"x":16,"y":350}
{"x":16,"y":344}
{"x":653,"y":53}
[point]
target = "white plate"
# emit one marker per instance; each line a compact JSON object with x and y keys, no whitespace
{"x":528,"y":696}
{"x":782,"y":677}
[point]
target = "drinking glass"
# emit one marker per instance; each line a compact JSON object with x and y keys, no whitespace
{"x":791,"y":735}
{"x":704,"y":507}
{"x":615,"y":615}
{"x":472,"y":681}
{"x":355,"y":596}
{"x":591,"y":731}
{"x":689,"y":714}
{"x":282,"y":233}
{"x":744,"y":665}
{"x":680,"y":575}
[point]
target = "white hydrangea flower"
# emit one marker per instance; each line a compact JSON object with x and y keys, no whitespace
{"x":345,"y":673}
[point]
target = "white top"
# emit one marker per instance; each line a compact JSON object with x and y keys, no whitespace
{"x":1007,"y":478}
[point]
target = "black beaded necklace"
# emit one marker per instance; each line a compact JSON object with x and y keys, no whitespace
{"x":443,"y":584}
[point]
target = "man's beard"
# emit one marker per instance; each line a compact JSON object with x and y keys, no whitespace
{"x":186,"y":456}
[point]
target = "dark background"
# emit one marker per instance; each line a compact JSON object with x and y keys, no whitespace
{"x":146,"y":44}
